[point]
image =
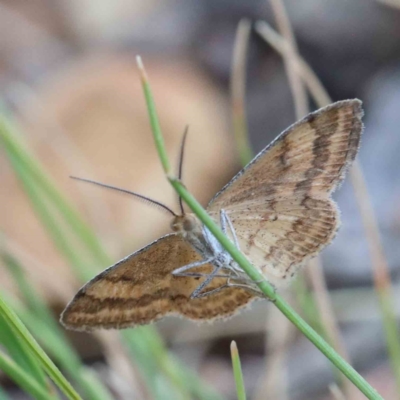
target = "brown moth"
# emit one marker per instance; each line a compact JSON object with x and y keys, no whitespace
{"x":278,"y":210}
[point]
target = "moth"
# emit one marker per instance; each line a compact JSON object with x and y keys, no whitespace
{"x":278,"y":210}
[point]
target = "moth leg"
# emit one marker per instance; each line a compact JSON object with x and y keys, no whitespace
{"x":206,"y":282}
{"x":222,"y":221}
{"x":196,"y":294}
{"x":251,"y":286}
{"x":213,"y":291}
{"x":216,"y":248}
{"x":225,"y":220}
{"x":200,"y":275}
{"x":225,"y":224}
{"x":179,"y":271}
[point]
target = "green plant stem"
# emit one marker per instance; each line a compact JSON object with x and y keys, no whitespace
{"x":19,"y":352}
{"x":54,"y":373}
{"x":237,"y":372}
{"x":255,"y":274}
{"x":23,"y":379}
{"x":382,"y":281}
{"x":53,"y":340}
{"x":257,"y":277}
{"x":155,"y":125}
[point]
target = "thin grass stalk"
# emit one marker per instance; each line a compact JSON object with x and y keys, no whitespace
{"x":382,"y":281}
{"x":296,"y":85}
{"x":328,"y":320}
{"x":300,"y":99}
{"x":322,"y":300}
{"x":66,"y":357}
{"x":149,"y":370}
{"x":279,"y":44}
{"x":198,"y":390}
{"x":255,"y":275}
{"x":381,"y":273}
{"x":19,"y":352}
{"x":243,"y":146}
{"x":329,"y":324}
{"x":161,"y":356}
{"x":55,"y":343}
{"x":119,"y":363}
{"x":155,"y":125}
{"x":238,"y":92}
{"x":24,"y":379}
{"x":273,"y":379}
{"x":188,"y":379}
{"x":237,"y":372}
{"x":53,"y":372}
{"x":325,"y":305}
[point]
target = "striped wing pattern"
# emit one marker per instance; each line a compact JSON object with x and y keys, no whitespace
{"x":281,"y":211}
{"x":141,"y":289}
{"x":280,"y":204}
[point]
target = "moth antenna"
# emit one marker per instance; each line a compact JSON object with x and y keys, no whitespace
{"x":145,"y":199}
{"x":180,"y":170}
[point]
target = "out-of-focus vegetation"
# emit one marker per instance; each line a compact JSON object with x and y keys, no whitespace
{"x":70,"y":86}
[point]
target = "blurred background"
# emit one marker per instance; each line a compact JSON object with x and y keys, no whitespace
{"x":68,"y":78}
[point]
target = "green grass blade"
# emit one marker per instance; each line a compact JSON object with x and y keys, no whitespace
{"x":149,"y":353}
{"x":19,"y":352}
{"x":181,"y":378}
{"x":59,"y":349}
{"x":155,"y":125}
{"x":237,"y":372}
{"x":257,"y":277}
{"x":23,"y":379}
{"x":55,"y":343}
{"x":12,"y":320}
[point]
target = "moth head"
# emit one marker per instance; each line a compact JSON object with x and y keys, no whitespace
{"x":186,"y":223}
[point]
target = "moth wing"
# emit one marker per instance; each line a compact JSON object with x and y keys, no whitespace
{"x":141,"y":289}
{"x":280,"y":203}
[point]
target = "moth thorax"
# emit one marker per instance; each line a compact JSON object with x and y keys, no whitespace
{"x":184,"y":224}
